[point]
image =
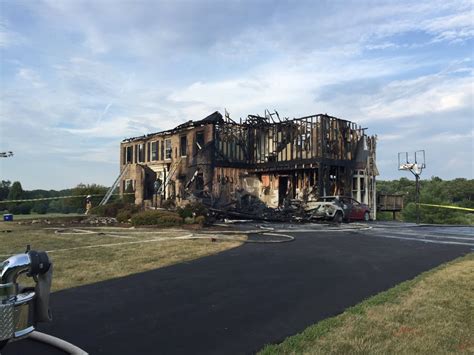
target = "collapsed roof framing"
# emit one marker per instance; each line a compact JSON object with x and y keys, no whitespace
{"x":259,"y":155}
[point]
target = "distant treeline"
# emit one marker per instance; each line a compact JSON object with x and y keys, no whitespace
{"x":458,"y":192}
{"x":14,"y":191}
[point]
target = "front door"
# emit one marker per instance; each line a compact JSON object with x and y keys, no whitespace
{"x":282,"y":189}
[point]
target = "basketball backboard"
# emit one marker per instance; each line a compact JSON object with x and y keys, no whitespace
{"x":414,"y":162}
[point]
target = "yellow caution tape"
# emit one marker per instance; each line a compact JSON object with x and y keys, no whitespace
{"x":57,"y":198}
{"x":450,"y":207}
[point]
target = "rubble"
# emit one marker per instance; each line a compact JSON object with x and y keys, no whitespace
{"x":95,"y":220}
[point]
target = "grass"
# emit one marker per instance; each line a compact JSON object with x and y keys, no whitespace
{"x":431,"y":314}
{"x":97,"y":257}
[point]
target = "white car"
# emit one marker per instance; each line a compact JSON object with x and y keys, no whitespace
{"x":338,"y":208}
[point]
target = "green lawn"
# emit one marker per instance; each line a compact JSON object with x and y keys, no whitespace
{"x":101,"y":253}
{"x":431,"y":314}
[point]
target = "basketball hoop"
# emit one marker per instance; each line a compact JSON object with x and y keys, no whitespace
{"x":414,"y":163}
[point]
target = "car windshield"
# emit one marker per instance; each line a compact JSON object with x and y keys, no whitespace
{"x":326,"y":199}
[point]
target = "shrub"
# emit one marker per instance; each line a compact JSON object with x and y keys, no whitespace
{"x":192,"y":209}
{"x":189,"y":220}
{"x":40,"y":207}
{"x":22,"y":208}
{"x":168,"y":204}
{"x":161,"y":218}
{"x":201,"y":220}
{"x":123,"y":216}
{"x":112,"y":209}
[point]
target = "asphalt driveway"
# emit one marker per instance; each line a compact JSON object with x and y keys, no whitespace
{"x":239,"y":300}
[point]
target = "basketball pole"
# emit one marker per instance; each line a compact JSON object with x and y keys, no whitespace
{"x":417,"y":197}
{"x":415,"y":168}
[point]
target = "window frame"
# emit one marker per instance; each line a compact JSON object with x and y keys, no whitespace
{"x":168,"y":149}
{"x":154,"y":149}
{"x":183,"y":138}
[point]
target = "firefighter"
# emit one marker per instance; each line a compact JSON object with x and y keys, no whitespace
{"x":88,"y":204}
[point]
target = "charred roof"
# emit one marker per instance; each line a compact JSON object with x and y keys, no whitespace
{"x":215,"y":117}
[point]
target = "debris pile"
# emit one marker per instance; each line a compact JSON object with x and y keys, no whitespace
{"x":95,"y":220}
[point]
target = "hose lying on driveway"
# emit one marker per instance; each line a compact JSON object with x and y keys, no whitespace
{"x":57,"y":343}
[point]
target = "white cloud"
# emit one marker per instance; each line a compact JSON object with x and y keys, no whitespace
{"x":31,"y":77}
{"x":413,"y":97}
{"x":390,"y":137}
{"x":102,"y":73}
{"x":449,"y":137}
{"x":9,"y":38}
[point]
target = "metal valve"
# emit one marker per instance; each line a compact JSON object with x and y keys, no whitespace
{"x":21,"y":308}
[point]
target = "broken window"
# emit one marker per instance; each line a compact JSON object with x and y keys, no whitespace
{"x":200,"y":139}
{"x":154,"y":151}
{"x":128,"y":184}
{"x":168,"y":150}
{"x":199,"y":182}
{"x":183,"y":146}
{"x":128,"y":155}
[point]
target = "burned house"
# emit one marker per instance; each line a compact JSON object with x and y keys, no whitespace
{"x":261,"y":159}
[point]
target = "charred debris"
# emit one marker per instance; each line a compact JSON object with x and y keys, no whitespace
{"x":262,"y":167}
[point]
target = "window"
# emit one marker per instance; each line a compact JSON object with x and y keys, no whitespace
{"x":168,"y":151}
{"x":183,"y":146}
{"x":162,"y":151}
{"x":154,"y":151}
{"x":140,"y":153}
{"x":128,"y":184}
{"x":200,"y":139}
{"x":148,"y":151}
{"x":129,"y":155}
{"x":199,"y":183}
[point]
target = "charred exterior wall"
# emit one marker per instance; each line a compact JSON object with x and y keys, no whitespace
{"x":264,"y":160}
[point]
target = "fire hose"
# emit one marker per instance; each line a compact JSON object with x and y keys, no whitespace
{"x":22,"y":308}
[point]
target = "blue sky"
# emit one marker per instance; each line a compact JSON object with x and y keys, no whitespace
{"x":77,"y":77}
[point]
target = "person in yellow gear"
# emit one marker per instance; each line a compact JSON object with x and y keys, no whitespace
{"x":88,"y":204}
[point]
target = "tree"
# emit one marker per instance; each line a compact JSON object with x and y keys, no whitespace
{"x":16,"y":191}
{"x":4,"y":189}
{"x":78,"y":204}
{"x":435,"y":191}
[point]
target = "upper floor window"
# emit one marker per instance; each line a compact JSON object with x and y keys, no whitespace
{"x":140,"y":153}
{"x":168,"y":150}
{"x":200,"y":139}
{"x":128,"y":158}
{"x":154,"y":151}
{"x":183,"y":146}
